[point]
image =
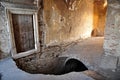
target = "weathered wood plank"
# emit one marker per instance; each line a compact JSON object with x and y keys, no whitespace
{"x":23,"y":32}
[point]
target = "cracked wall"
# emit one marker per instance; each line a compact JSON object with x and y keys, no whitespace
{"x":62,"y":21}
{"x":65,"y":22}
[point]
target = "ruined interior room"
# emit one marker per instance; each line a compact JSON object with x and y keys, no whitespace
{"x":59,"y":39}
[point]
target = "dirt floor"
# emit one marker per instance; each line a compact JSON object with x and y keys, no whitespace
{"x":88,"y":51}
{"x":9,"y":71}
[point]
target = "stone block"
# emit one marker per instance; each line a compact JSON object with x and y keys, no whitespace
{"x":108,"y":62}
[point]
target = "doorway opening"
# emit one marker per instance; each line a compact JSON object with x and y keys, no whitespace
{"x":23,"y":29}
{"x":99,"y":18}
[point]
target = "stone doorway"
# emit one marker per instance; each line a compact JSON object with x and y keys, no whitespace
{"x":23,"y":29}
{"x":99,"y":18}
{"x":23,"y":32}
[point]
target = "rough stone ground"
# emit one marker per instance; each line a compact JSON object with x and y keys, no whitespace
{"x":89,"y":51}
{"x":9,"y":71}
{"x":79,"y":49}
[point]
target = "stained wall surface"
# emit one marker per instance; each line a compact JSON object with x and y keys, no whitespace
{"x":67,"y":21}
{"x":112,"y":30}
{"x":62,"y":22}
{"x":111,"y":59}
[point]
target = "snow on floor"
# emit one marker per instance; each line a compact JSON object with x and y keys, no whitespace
{"x":9,"y":71}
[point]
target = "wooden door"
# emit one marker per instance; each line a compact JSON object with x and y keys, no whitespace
{"x":23,"y":32}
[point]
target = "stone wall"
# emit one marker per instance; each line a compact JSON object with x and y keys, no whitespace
{"x":67,"y":21}
{"x":112,"y":30}
{"x":30,"y":2}
{"x":4,"y":34}
{"x":111,"y":59}
{"x":62,"y":21}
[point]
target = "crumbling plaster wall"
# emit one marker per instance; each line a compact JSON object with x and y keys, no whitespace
{"x":63,"y":24}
